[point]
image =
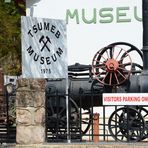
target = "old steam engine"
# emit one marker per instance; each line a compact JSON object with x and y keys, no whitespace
{"x":114,"y":69}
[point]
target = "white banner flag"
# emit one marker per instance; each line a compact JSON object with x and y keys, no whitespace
{"x":44,"y":51}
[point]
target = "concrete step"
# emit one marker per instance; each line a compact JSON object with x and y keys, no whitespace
{"x":79,"y":145}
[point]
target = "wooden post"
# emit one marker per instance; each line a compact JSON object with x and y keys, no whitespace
{"x":96,"y":127}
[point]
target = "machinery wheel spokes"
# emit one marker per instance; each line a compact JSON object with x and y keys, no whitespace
{"x":86,"y":118}
{"x":110,"y":67}
{"x":57,"y":119}
{"x":126,"y":124}
{"x":135,"y":54}
{"x":144,"y":113}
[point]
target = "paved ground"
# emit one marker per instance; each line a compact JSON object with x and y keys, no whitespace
{"x":80,"y":145}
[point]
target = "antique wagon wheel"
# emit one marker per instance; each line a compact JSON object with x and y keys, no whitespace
{"x":112,"y":65}
{"x":144,"y":113}
{"x":109,"y":68}
{"x":126,"y":124}
{"x":135,"y":54}
{"x":85,"y":120}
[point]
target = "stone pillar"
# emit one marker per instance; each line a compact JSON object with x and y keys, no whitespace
{"x":30,"y":111}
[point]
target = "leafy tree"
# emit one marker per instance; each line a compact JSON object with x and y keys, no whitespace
{"x":10,"y":36}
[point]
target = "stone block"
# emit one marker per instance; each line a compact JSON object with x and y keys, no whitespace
{"x":39,"y":99}
{"x":39,"y":116}
{"x":24,"y":116}
{"x":22,"y":83}
{"x":31,"y":84}
{"x":30,"y":98}
{"x":30,"y":134}
{"x":24,"y":98}
{"x":37,"y":84}
{"x":23,"y":135}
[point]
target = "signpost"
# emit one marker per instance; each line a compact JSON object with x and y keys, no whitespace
{"x":44,"y":52}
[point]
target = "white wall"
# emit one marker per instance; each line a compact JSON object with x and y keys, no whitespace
{"x":83,"y":39}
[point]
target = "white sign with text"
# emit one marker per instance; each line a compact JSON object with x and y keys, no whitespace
{"x":44,"y":51}
{"x":125,"y":99}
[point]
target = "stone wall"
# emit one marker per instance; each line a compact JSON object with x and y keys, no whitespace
{"x":30,"y":111}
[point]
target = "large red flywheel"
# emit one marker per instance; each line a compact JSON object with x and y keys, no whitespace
{"x":112,"y":65}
